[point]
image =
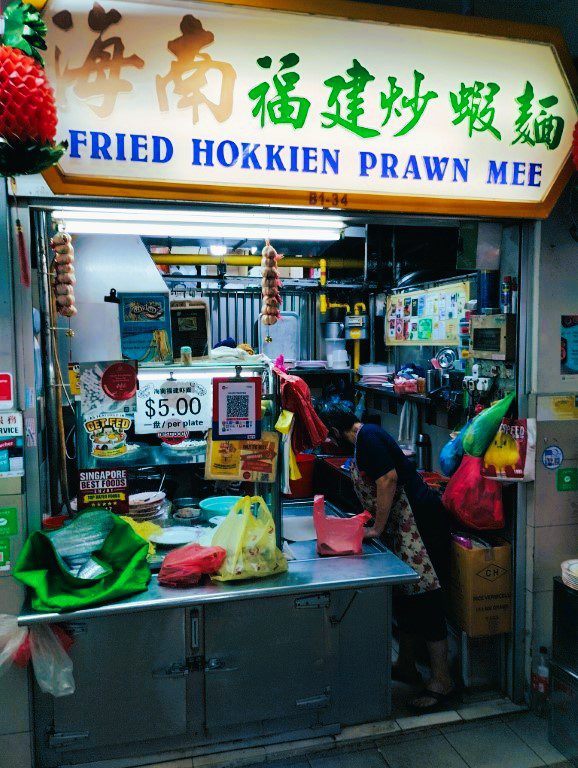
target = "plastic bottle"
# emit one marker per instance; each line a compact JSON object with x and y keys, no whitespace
{"x":541,"y":684}
{"x":514,"y":296}
{"x":506,"y":295}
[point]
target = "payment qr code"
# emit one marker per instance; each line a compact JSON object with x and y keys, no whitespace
{"x":237,"y":406}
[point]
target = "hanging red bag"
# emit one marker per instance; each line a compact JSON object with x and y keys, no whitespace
{"x":474,"y":500}
{"x":184,"y":567}
{"x":338,"y":535}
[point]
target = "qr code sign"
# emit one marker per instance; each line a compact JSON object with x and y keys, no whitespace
{"x":237,"y":406}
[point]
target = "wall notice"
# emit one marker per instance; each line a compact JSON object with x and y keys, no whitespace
{"x":569,"y":345}
{"x":11,"y":444}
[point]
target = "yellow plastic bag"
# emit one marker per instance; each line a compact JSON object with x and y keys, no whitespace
{"x":249,"y":541}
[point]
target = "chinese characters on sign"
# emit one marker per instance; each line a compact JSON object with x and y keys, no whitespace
{"x":100,"y":75}
{"x":278,"y":102}
{"x":188,"y":74}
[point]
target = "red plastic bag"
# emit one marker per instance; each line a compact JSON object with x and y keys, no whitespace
{"x":338,"y":535}
{"x":184,"y":566}
{"x":474,"y":500}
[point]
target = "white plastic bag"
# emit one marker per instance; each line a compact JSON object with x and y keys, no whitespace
{"x":52,"y":665}
{"x":11,"y":638}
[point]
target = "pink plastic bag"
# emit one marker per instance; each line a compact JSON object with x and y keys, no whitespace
{"x":338,"y":535}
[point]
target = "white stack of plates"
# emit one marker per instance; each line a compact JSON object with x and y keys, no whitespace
{"x":375,"y":374}
{"x":149,"y":505}
{"x":570,"y":573}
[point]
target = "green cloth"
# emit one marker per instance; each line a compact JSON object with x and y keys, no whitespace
{"x":123,"y":556}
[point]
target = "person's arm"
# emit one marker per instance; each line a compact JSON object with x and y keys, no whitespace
{"x":386,"y":487}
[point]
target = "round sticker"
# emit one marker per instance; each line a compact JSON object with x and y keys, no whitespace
{"x":552,"y":457}
{"x":119,"y":381}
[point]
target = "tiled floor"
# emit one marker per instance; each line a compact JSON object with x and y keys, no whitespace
{"x":507,"y":741}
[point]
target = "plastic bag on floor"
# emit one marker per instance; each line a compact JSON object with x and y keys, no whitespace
{"x":52,"y":665}
{"x":11,"y":638}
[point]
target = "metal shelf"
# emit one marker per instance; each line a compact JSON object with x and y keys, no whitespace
{"x":389,"y":393}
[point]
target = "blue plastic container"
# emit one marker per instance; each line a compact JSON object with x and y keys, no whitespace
{"x":218,"y":505}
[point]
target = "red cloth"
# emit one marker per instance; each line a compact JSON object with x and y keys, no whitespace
{"x":308,"y":431}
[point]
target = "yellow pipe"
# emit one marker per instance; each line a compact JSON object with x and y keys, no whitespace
{"x":357,"y":309}
{"x":239,"y":260}
{"x":335,"y":305}
{"x":322,"y":284}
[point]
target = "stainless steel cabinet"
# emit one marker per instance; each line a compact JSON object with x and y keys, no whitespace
{"x":268,"y":660}
{"x":131,"y":678}
{"x":166,"y":681}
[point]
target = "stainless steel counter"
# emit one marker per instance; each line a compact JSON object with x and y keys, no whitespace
{"x":308,"y":573}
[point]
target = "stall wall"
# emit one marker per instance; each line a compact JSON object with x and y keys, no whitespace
{"x":552,"y":521}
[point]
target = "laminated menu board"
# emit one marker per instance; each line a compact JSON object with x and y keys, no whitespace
{"x":248,"y":460}
{"x":145,"y":327}
{"x":426,"y":317}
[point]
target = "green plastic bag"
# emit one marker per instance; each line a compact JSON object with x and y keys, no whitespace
{"x":250,"y":542}
{"x":482,"y":430}
{"x":98,"y":558}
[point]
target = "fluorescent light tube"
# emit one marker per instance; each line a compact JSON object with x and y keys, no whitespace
{"x":199,"y":224}
{"x":210,"y":231}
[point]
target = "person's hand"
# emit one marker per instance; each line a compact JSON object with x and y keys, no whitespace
{"x":371,"y":533}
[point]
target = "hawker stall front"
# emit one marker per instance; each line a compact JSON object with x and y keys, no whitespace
{"x":259,"y":240}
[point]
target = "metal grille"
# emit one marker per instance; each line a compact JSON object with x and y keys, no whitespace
{"x":235,"y":312}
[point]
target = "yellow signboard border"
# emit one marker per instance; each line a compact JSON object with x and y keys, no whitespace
{"x":88,"y":186}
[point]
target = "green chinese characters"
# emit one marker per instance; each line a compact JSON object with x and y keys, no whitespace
{"x":284,"y":107}
{"x":474,"y":105}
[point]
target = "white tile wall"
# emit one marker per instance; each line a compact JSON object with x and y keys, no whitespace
{"x":552,"y":545}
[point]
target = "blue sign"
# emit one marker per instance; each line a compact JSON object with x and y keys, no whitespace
{"x":552,"y":457}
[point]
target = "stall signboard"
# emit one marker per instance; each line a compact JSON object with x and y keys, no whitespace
{"x":11,"y":444}
{"x":173,"y":406}
{"x":237,"y":408}
{"x":426,"y":317}
{"x":370,"y":107}
{"x":103,"y":489}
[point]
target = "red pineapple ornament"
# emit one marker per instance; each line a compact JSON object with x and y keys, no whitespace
{"x":27,"y":109}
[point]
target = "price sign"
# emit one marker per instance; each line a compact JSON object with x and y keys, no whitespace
{"x":173,"y":406}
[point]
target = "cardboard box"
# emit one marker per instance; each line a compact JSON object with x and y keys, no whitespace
{"x":481,"y":589}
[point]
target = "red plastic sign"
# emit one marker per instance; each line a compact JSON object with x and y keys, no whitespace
{"x":6,"y":391}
